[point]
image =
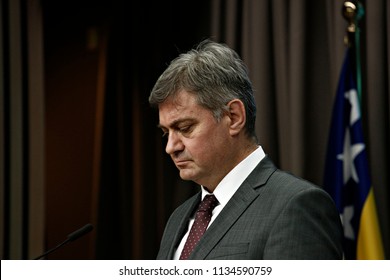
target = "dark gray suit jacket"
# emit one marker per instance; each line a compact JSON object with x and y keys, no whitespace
{"x":273,"y":215}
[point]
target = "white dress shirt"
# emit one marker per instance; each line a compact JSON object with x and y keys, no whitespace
{"x":226,"y":189}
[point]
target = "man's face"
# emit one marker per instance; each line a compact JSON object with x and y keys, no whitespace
{"x":197,"y":143}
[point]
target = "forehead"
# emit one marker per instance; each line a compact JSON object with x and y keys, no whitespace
{"x":182,"y":106}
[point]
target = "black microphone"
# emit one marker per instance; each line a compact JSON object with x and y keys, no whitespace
{"x":71,"y":237}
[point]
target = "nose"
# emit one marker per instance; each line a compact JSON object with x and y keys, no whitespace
{"x":174,"y":144}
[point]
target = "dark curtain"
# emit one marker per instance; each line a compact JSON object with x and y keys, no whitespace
{"x":140,"y":186}
{"x":294,"y":51}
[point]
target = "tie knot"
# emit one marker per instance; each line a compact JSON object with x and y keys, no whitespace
{"x":208,"y":203}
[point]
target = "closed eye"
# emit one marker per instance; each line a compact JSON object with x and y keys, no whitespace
{"x":185,"y":129}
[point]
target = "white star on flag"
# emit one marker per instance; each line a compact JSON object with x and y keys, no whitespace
{"x":346,"y":218}
{"x":348,"y":157}
{"x":350,"y":152}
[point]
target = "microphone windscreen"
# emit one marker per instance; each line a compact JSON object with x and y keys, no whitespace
{"x":80,"y":232}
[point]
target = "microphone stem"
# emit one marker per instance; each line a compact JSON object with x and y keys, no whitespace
{"x":53,"y":249}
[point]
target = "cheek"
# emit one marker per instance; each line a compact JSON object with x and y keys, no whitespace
{"x":198,"y":149}
{"x":208,"y":150}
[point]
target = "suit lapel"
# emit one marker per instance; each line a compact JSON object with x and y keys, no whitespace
{"x":234,"y":209}
{"x":182,"y":223}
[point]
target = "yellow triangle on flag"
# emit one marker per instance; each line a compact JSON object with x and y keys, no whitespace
{"x":369,"y":243}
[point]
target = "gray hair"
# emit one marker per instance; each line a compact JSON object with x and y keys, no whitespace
{"x":215,"y":74}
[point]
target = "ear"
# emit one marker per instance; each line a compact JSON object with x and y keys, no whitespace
{"x":236,"y":113}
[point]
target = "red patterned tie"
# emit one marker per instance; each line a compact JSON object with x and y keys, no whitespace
{"x":202,"y":219}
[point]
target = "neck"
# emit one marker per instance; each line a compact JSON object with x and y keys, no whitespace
{"x":243,"y":152}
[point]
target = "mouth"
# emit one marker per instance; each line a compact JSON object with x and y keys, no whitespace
{"x":181,"y":163}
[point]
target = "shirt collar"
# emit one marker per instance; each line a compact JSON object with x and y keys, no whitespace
{"x":233,"y":180}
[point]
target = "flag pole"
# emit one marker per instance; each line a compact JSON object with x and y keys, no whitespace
{"x":353,"y":12}
{"x":349,"y":13}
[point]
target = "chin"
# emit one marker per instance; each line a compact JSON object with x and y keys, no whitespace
{"x":186,"y":178}
{"x":185,"y":175}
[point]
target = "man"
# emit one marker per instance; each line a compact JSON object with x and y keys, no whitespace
{"x":207,"y":112}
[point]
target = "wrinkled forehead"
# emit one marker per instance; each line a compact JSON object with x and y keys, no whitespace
{"x":183,"y":106}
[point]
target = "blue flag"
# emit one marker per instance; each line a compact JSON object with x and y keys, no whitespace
{"x":346,"y":176}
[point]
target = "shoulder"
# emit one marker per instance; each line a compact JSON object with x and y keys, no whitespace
{"x":286,"y":187}
{"x":292,"y":183}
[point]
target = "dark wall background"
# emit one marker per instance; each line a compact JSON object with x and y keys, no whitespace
{"x":101,"y":60}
